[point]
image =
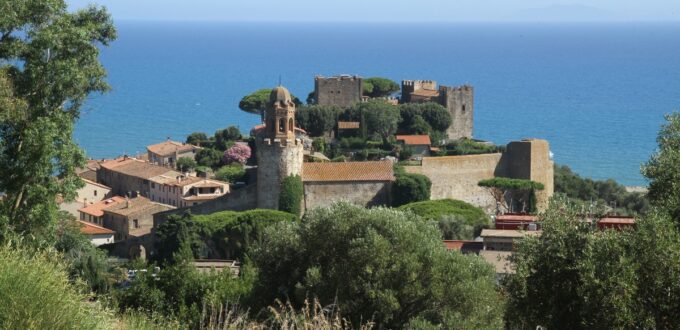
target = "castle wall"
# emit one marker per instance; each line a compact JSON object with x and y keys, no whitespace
{"x":342,"y":91}
{"x":456,"y":177}
{"x":410,"y":86}
{"x":367,"y":193}
{"x":460,"y":103}
{"x":276,"y":160}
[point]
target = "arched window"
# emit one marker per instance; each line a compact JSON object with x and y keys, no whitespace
{"x":290,"y":124}
{"x":282,"y":125}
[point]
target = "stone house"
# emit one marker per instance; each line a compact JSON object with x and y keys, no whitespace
{"x":98,"y":235}
{"x":90,"y":193}
{"x":167,"y":153}
{"x":133,"y":217}
{"x":420,"y":144}
{"x":129,"y":176}
{"x":362,"y":183}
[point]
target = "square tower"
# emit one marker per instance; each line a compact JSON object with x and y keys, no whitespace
{"x":342,"y":91}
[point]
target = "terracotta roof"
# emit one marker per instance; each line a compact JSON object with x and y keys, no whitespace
{"x":97,"y":209}
{"x":134,"y":205}
{"x":92,"y":229}
{"x":168,"y":148}
{"x":516,"y":217}
{"x":209,"y":184}
{"x":137,"y":168}
{"x":508,"y":233}
{"x":348,"y":124}
{"x":414,"y":139}
{"x":617,"y":220}
{"x":350,"y":171}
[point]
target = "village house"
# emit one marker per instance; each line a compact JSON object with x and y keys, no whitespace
{"x":94,"y":213}
{"x":133,"y":217}
{"x":504,"y":239}
{"x":420,"y":144}
{"x":96,"y":234}
{"x":90,"y":193}
{"x":133,"y":177}
{"x":168,"y":152}
{"x":181,"y":191}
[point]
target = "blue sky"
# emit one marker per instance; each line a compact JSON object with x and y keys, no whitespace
{"x":390,"y":10}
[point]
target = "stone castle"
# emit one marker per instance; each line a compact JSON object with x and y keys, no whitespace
{"x":346,"y":90}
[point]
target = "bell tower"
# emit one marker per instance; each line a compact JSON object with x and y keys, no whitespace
{"x":279,"y":153}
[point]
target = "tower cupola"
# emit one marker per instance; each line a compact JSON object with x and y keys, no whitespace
{"x":280,"y":115}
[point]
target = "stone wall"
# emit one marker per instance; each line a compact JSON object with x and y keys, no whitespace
{"x":121,"y":184}
{"x":410,"y":86}
{"x":456,"y":177}
{"x":342,"y":91}
{"x":276,"y":160}
{"x":368,"y":193}
{"x":460,"y":103}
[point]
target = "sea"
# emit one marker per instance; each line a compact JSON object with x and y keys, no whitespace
{"x":597,"y":92}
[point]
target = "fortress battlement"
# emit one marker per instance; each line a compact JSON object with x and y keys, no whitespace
{"x":266,"y":142}
{"x":463,"y":88}
{"x":340,"y":77}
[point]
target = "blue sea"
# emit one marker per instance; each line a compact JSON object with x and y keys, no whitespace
{"x":597,"y":92}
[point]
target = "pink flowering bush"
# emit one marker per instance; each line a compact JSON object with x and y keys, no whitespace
{"x":239,"y":153}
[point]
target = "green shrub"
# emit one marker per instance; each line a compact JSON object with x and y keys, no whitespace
{"x":231,"y":173}
{"x":452,"y":216}
{"x":375,"y":264}
{"x":37,"y":294}
{"x":339,"y":159}
{"x":408,"y":188}
{"x":290,"y":198}
{"x":471,"y":147}
{"x":352,"y":143}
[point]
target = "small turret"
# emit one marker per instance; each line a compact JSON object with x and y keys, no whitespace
{"x":280,"y":115}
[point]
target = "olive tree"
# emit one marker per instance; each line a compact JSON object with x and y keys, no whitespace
{"x":375,"y":264}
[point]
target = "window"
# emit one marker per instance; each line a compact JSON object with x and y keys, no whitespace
{"x":153,"y":185}
{"x":290,"y":124}
{"x":95,"y":193}
{"x":135,"y":223}
{"x":282,"y":125}
{"x":463,"y":108}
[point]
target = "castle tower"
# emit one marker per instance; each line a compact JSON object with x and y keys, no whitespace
{"x":343,"y":91}
{"x":279,"y":153}
{"x":460,"y":103}
{"x":529,"y":159}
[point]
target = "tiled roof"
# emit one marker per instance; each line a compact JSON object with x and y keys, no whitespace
{"x":138,"y":204}
{"x":97,"y":209}
{"x":168,"y":148}
{"x":137,"y":168}
{"x":509,"y":233}
{"x":414,"y":139}
{"x":92,"y":229}
{"x":348,"y":124}
{"x":618,"y":220}
{"x":95,"y":183}
{"x":350,"y":171}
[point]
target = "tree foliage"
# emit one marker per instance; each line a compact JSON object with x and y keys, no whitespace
{"x":381,"y":118}
{"x":196,"y":138}
{"x":256,"y":102}
{"x":456,"y":219}
{"x":231,"y":173}
{"x":607,"y":193}
{"x":48,"y":66}
{"x":292,"y":191}
{"x":379,"y":87}
{"x":186,"y":164}
{"x":409,"y":188}
{"x":237,"y":154}
{"x":507,"y":190}
{"x":375,"y":264}
{"x":317,"y":120}
{"x":663,"y":168}
{"x":576,"y":276}
{"x":209,"y":157}
{"x":225,"y":138}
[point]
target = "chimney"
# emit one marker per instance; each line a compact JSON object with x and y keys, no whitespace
{"x":127,"y":202}
{"x":84,"y":202}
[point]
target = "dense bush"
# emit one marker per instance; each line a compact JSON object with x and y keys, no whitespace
{"x":209,"y":157}
{"x":409,"y":188}
{"x":220,"y":235}
{"x":197,"y":138}
{"x":375,"y":264}
{"x":231,"y":173}
{"x":379,"y":87}
{"x":423,"y":118}
{"x":512,"y":194}
{"x":37,"y":294}
{"x":290,"y":198}
{"x":451,"y":215}
{"x":186,"y":164}
{"x":606,"y":192}
{"x":471,"y":147}
{"x":317,"y":120}
{"x":352,"y":143}
{"x":575,"y":276}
